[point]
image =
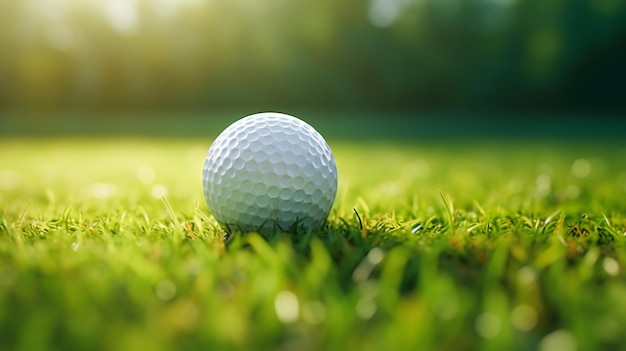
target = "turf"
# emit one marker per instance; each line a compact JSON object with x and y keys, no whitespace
{"x":107,"y":244}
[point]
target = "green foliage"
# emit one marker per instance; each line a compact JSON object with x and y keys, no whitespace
{"x":294,"y":53}
{"x":107,"y":244}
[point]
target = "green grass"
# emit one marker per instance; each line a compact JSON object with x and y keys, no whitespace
{"x":459,"y":246}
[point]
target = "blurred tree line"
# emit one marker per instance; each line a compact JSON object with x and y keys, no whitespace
{"x":428,"y":54}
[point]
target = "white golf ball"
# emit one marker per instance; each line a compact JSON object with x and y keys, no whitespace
{"x":270,"y":171}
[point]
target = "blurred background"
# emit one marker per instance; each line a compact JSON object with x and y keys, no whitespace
{"x":80,"y":66}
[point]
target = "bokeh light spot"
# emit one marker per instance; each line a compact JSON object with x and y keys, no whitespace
{"x":544,"y":183}
{"x":366,"y":308}
{"x":287,"y":307}
{"x":122,"y":16}
{"x":559,"y":340}
{"x":524,"y":317}
{"x":8,"y":179}
{"x":572,"y":191}
{"x":610,"y":265}
{"x":146,"y":174}
{"x":165,"y":290}
{"x":581,"y":168}
{"x":102,"y":190}
{"x":382,"y":13}
{"x":488,"y":325}
{"x":314,"y":312}
{"x":60,"y":37}
{"x":158,"y":191}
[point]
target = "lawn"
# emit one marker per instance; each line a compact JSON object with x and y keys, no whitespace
{"x":107,"y":244}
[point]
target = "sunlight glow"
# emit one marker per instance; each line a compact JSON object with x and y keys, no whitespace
{"x":122,"y":16}
{"x":60,"y":36}
{"x":50,"y":10}
{"x":167,"y":9}
{"x":383,"y":13}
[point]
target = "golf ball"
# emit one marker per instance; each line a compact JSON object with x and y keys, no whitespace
{"x":269,"y":171}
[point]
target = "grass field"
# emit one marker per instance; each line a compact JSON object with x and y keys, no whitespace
{"x":107,"y":244}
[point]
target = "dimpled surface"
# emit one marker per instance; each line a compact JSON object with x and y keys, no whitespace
{"x":269,"y":171}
